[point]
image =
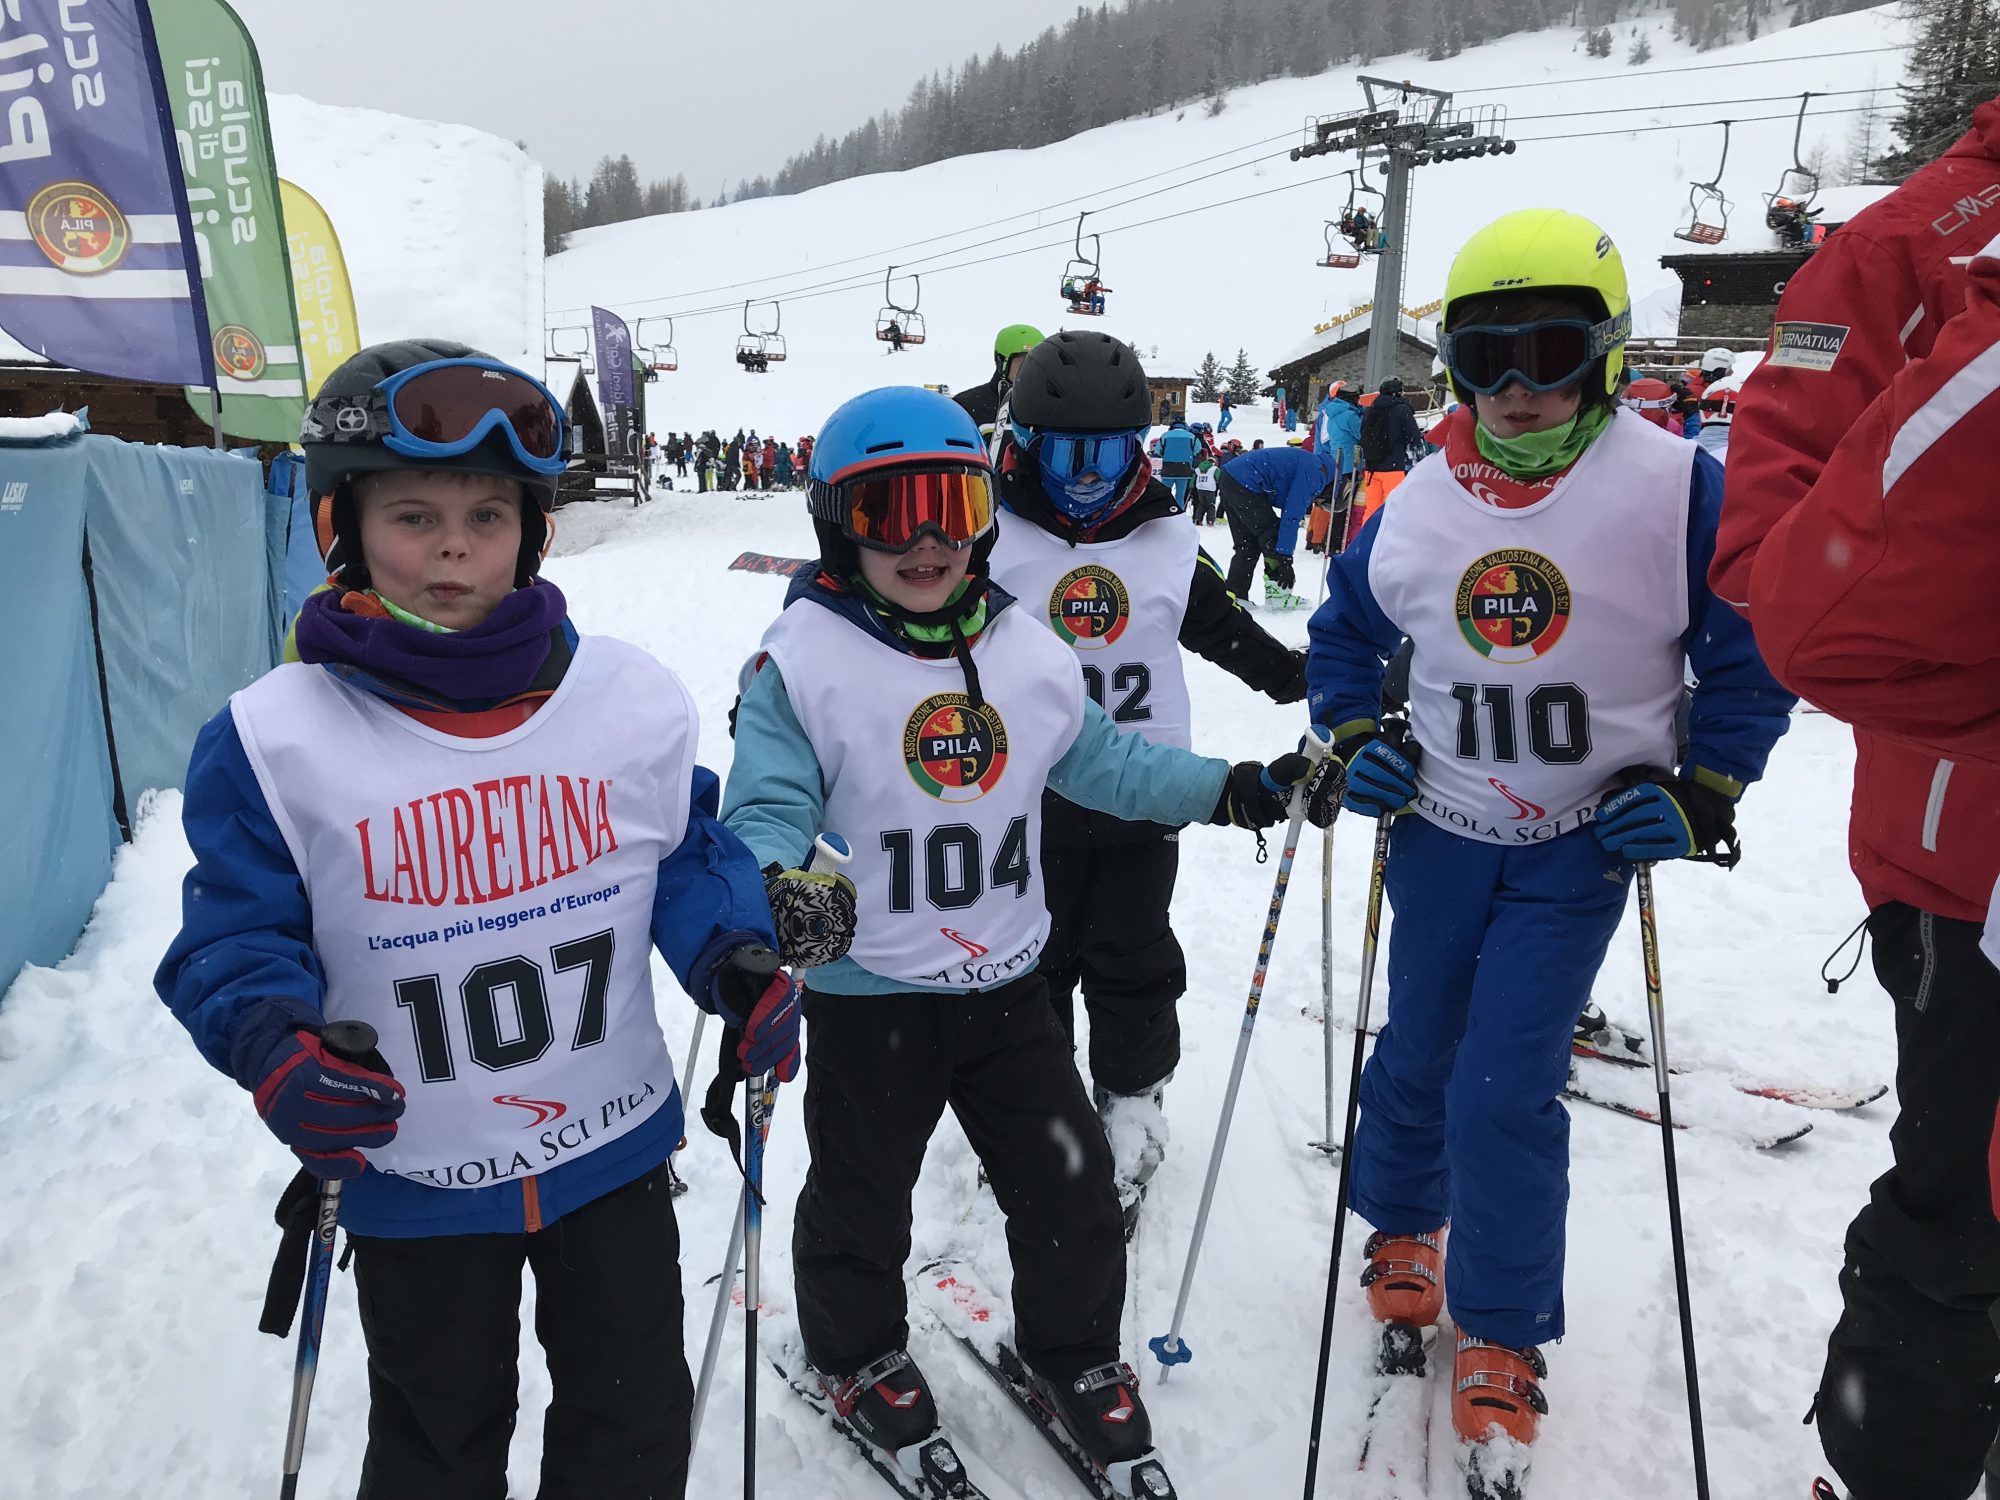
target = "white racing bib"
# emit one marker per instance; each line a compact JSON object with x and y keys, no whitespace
{"x":1119,"y":606}
{"x":1548,"y":654}
{"x":941,"y":801}
{"x":486,"y":904}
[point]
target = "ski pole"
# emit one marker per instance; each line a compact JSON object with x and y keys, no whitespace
{"x":687,"y":1083}
{"x":1656,"y":1011}
{"x":1168,"y":1347}
{"x":351,"y":1041}
{"x":758,"y":1100}
{"x":1370,"y":940}
{"x":830,"y":852}
{"x":1326,"y":1142}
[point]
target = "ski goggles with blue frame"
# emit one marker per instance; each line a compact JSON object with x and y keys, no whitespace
{"x":1543,"y":356}
{"x":1067,"y":457}
{"x":446,"y":408}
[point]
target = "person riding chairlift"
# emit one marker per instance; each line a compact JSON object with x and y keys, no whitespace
{"x":1359,"y":226}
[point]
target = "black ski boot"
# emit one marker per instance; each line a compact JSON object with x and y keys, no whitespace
{"x":1101,"y":1412}
{"x":1595,"y":1032}
{"x":888,"y":1402}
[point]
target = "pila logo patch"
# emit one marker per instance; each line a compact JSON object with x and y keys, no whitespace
{"x":1089,"y":607}
{"x":1513,"y":605}
{"x":954,"y":751}
{"x":78,"y":227}
{"x":239,"y":353}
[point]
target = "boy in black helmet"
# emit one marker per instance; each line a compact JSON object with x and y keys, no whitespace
{"x":460,"y":821}
{"x":1100,"y":551}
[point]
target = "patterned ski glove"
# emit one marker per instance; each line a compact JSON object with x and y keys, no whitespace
{"x":1654,"y":814}
{"x":326,"y":1107}
{"x":1256,"y":795}
{"x":813,"y":912}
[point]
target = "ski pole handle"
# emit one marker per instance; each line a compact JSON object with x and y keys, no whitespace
{"x":350,"y":1041}
{"x":830,"y":852}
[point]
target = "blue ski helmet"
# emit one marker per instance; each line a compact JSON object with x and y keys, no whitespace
{"x":885,"y":428}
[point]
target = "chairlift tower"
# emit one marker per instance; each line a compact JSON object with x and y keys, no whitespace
{"x":1408,"y":126}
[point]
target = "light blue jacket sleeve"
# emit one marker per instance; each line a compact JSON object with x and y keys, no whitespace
{"x":1130,"y":777}
{"x":777,"y":793}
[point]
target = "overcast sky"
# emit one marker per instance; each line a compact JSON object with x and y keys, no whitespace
{"x":716,"y":91}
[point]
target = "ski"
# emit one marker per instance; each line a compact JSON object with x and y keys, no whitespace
{"x":1496,"y":1470}
{"x":1604,"y":1039}
{"x":951,"y":1290}
{"x":1395,"y":1433}
{"x":1763,"y":1137}
{"x":929,"y":1470}
{"x":765,"y":562}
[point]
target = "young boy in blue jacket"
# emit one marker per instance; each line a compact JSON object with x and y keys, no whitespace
{"x":1265,"y":496}
{"x":902,"y":701}
{"x":459,"y":821}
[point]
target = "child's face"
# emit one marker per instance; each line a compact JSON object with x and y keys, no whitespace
{"x":1514,"y":409}
{"x":443,"y":546}
{"x":918,"y":580}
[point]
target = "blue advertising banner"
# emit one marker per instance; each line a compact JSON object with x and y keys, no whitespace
{"x":614,"y":382}
{"x":95,"y":245}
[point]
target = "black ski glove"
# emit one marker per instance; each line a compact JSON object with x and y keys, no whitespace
{"x":1256,"y":795}
{"x":813,"y":913}
{"x":1278,"y":568}
{"x":1293,"y":688}
{"x":1650,"y":814}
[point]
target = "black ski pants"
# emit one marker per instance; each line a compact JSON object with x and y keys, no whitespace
{"x":880,"y":1072}
{"x":1253,"y":531}
{"x":1907,"y":1407}
{"x":441,"y":1317}
{"x":1204,"y":506}
{"x":1108,"y":899}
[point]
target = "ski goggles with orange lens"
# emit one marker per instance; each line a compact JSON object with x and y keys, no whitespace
{"x":1544,"y":356}
{"x":447,"y":408}
{"x":892,"y":510}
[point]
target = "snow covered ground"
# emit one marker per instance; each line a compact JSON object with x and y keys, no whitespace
{"x":1226,"y":274}
{"x":139,"y":1184}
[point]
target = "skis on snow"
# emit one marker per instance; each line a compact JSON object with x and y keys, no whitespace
{"x":1396,"y":1431}
{"x":951,"y":1290}
{"x":928,"y":1470}
{"x":1607,"y":1041}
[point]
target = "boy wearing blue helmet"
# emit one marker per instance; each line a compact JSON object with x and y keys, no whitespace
{"x":904,"y":701}
{"x":1101,"y":553}
{"x":458,"y":820}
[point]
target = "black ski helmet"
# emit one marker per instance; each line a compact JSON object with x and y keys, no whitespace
{"x":1081,"y":382}
{"x":331,"y":468}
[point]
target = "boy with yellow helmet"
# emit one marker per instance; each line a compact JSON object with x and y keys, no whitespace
{"x":1549,"y":567}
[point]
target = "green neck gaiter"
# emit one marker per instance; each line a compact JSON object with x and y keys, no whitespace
{"x":1536,"y":455}
{"x":398,"y":613}
{"x":932,"y":635}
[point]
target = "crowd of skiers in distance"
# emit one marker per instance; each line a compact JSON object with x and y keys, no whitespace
{"x":744,"y":462}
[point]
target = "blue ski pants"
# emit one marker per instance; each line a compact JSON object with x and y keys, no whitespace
{"x":1179,"y":485}
{"x":1491,"y":960}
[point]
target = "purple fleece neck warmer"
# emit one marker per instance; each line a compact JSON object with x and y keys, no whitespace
{"x":493,"y":660}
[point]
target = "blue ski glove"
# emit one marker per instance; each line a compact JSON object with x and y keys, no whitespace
{"x":1666,"y":817}
{"x":1381,"y":777}
{"x":758,"y":1002}
{"x":326,"y":1108}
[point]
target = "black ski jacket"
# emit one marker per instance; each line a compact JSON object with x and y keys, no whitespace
{"x":982,"y":402}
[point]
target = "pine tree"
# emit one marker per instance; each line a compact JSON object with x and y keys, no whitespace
{"x":1208,"y":379}
{"x":1953,"y":63}
{"x":1642,"y":51}
{"x":1243,"y":382}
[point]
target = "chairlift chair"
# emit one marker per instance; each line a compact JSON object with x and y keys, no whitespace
{"x":1708,"y":209}
{"x":660,"y":354}
{"x":1081,"y":270}
{"x":1338,"y":260}
{"x":895,"y":319}
{"x":1788,"y":209}
{"x":558,"y":342}
{"x":764,"y":346}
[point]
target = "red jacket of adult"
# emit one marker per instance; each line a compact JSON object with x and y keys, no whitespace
{"x":1890,"y":636}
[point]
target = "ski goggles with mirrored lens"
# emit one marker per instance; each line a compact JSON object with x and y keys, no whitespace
{"x":1544,"y":356}
{"x":1067,"y":457}
{"x":892,"y":510}
{"x":445,"y":409}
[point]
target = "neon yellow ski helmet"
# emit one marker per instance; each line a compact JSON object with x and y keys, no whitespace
{"x":1015,"y":338}
{"x":1546,"y":249}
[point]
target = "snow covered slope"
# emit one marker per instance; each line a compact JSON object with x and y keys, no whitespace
{"x":1234,"y":275}
{"x":441,"y":224}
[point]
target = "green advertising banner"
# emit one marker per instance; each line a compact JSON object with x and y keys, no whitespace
{"x":216,"y":88}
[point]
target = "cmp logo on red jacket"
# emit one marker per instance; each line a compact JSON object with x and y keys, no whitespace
{"x":1089,"y":607}
{"x":1512,"y":605}
{"x":955,"y":752}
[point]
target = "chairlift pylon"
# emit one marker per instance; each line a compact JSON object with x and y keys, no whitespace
{"x":1708,"y":209}
{"x":1788,"y":209}
{"x":1083,"y":288}
{"x":660,"y":354}
{"x":896,"y":325}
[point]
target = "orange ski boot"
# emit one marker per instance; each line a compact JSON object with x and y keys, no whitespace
{"x":1405,"y":1277}
{"x":1497,"y":1387}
